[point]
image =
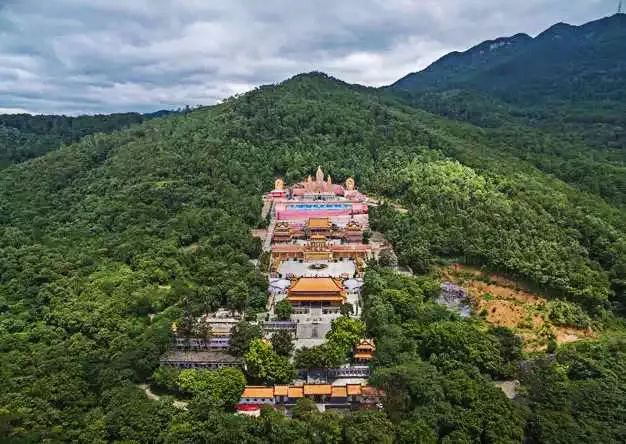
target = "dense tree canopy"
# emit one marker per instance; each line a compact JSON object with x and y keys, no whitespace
{"x":106,"y":242}
{"x":23,"y":136}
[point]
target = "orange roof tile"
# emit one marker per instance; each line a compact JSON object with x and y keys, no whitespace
{"x":324,"y":298}
{"x":317,"y":285}
{"x":353,"y":389}
{"x":339,"y":392}
{"x":318,"y":222}
{"x":288,"y":248}
{"x":363,"y":356}
{"x":295,"y":392}
{"x":256,"y":391}
{"x":281,"y":390}
{"x":317,"y":389}
{"x":365,"y":345}
{"x":358,"y":248}
{"x":367,"y":341}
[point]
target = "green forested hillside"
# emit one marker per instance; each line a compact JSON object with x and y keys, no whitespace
{"x":556,"y":101}
{"x":564,"y":62}
{"x":24,"y":136}
{"x":106,"y":241}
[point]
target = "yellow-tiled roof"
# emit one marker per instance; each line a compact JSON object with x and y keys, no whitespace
{"x":324,"y":298}
{"x":317,"y":389}
{"x":254,"y":391}
{"x":295,"y":392}
{"x":363,"y":356}
{"x":281,"y":390}
{"x":366,"y":343}
{"x":318,"y":285}
{"x":353,"y":389}
{"x":319,"y":222}
{"x":339,"y":392}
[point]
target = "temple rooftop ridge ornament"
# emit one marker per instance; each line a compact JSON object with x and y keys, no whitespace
{"x":350,"y":184}
{"x":319,"y":175}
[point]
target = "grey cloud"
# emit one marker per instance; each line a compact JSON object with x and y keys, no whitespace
{"x":72,"y":56}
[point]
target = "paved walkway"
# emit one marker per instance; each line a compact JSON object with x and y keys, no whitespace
{"x":333,"y":269}
{"x":267,"y":206}
{"x":267,"y":244}
{"x":155,"y":397}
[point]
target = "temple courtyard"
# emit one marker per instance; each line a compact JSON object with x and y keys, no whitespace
{"x":345,"y":268}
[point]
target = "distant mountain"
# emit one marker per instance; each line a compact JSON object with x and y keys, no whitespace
{"x":557,"y":100}
{"x":25,"y":136}
{"x":564,"y":62}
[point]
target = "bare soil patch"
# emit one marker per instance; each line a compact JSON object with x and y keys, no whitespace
{"x":503,"y":302}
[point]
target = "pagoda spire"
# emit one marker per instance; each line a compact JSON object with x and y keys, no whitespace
{"x":319,"y":175}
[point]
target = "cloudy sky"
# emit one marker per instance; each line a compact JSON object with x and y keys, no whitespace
{"x":90,"y":56}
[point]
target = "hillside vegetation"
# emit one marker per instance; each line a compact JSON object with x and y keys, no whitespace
{"x":24,"y":136}
{"x":556,"y":100}
{"x":156,"y":219}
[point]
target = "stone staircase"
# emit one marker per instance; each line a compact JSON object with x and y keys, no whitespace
{"x":267,"y":243}
{"x":267,"y":206}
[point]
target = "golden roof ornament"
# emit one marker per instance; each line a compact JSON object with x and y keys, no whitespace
{"x":319,"y":175}
{"x":350,"y":184}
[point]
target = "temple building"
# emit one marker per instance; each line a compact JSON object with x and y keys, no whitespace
{"x":302,"y":210}
{"x":318,"y":226}
{"x":353,"y":232}
{"x":307,"y":292}
{"x":279,"y":189}
{"x":348,"y":396}
{"x":320,"y":188}
{"x":282,"y":232}
{"x":313,"y":227}
{"x":364,"y":351}
{"x":317,"y":249}
{"x":210,"y":360}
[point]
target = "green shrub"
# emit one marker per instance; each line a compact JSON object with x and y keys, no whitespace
{"x":568,"y":314}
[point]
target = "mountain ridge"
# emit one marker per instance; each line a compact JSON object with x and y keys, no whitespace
{"x":557,"y":100}
{"x":610,"y":28}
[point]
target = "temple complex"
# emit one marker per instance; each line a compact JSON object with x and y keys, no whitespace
{"x":318,"y":250}
{"x":316,"y":243}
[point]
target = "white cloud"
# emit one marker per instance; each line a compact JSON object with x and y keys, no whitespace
{"x":14,"y":111}
{"x":69,"y":56}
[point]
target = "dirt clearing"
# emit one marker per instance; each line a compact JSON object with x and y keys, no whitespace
{"x":503,"y":302}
